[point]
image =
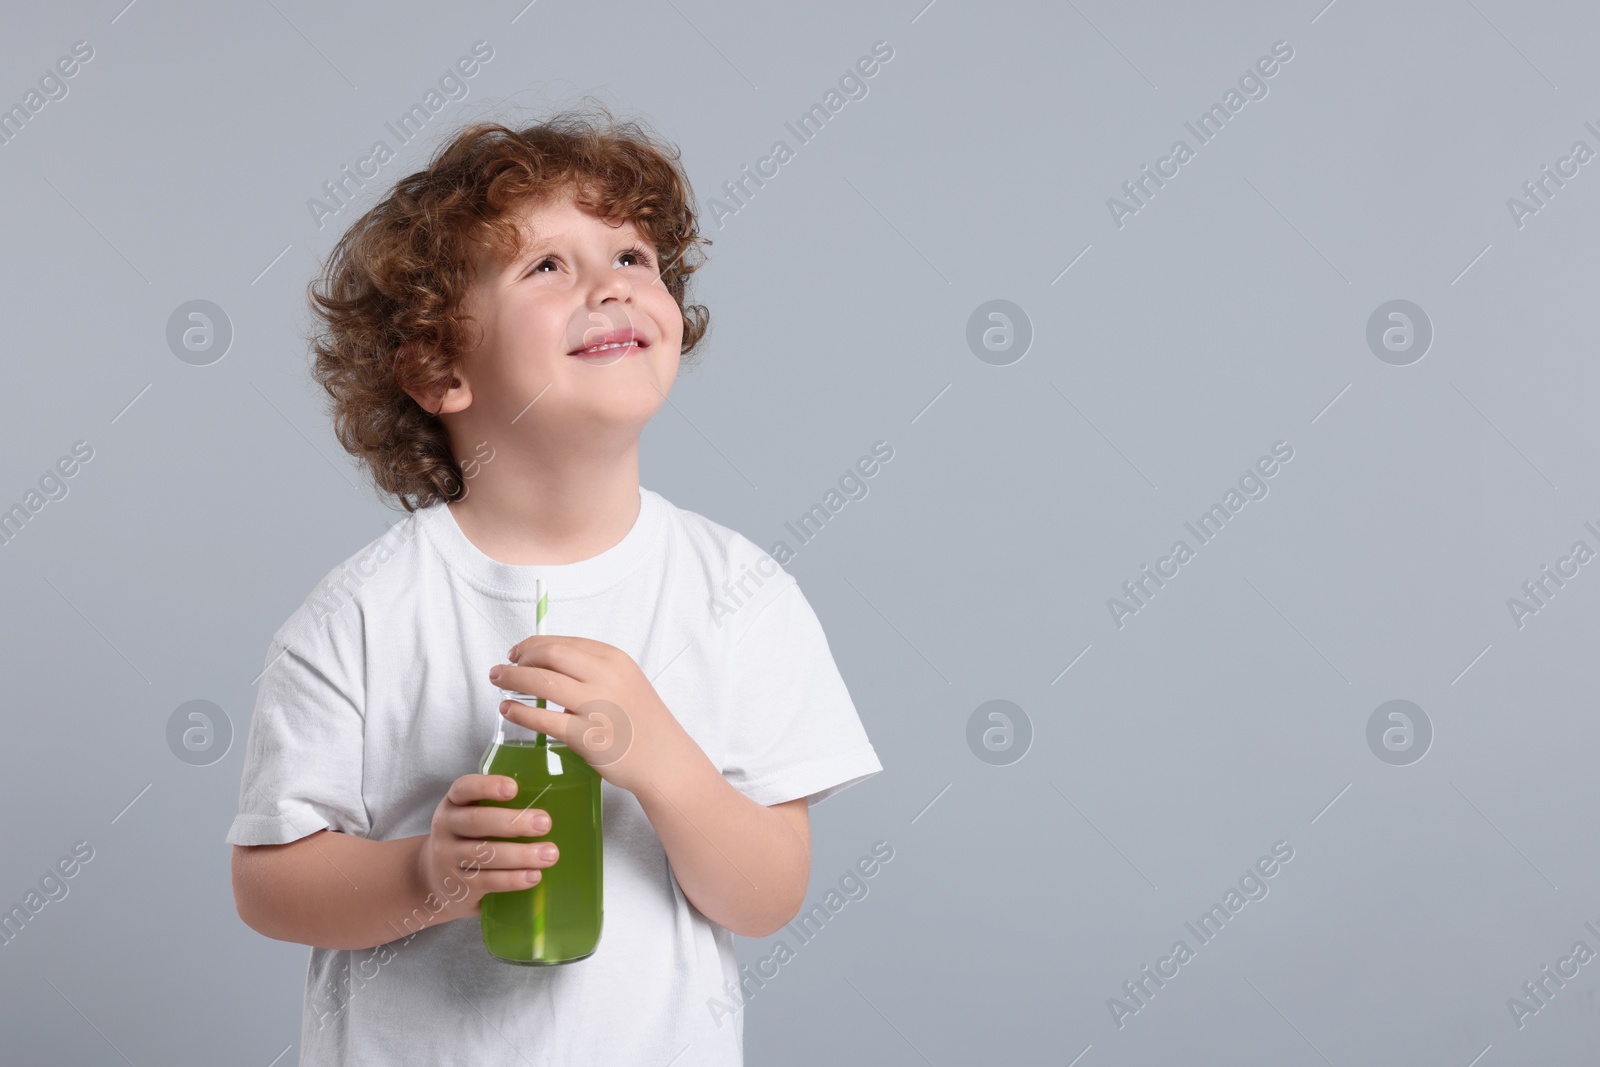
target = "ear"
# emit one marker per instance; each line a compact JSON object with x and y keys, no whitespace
{"x":439,"y":400}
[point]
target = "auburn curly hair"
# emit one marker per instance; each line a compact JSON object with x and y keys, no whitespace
{"x":388,"y":311}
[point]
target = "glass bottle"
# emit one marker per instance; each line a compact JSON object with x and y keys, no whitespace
{"x":557,"y":919}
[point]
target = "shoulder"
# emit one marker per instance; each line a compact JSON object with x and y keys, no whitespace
{"x":738,"y":577}
{"x":333,"y":611}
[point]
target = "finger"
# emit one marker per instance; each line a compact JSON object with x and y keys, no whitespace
{"x":507,"y":881}
{"x":549,"y":683}
{"x":557,"y":724}
{"x":472,"y":822}
{"x":516,"y":855}
{"x":471,"y":788}
{"x":572,"y":656}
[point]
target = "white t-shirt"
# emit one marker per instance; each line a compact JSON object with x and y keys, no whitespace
{"x":377,"y":696}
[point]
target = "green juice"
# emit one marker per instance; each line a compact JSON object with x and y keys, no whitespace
{"x":558,"y":919}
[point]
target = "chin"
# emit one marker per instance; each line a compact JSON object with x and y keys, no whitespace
{"x":631,"y":408}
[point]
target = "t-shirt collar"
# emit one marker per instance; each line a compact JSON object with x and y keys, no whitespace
{"x":565,"y":581}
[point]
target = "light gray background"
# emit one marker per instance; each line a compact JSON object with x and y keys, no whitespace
{"x":1228,"y":314}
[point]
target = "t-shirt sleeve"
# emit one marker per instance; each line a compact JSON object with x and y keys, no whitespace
{"x":303,"y":761}
{"x":793,"y":730}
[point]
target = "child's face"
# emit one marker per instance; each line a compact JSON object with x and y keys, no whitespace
{"x":577,"y":282}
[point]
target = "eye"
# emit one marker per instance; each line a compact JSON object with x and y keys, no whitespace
{"x":640,"y":257}
{"x":541,"y":265}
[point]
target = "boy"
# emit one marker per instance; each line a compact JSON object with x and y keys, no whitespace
{"x":494,"y":336}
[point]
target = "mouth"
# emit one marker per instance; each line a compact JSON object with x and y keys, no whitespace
{"x":613,"y":344}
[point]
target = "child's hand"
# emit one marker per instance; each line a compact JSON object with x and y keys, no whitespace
{"x":614,"y":717}
{"x":456,"y":854}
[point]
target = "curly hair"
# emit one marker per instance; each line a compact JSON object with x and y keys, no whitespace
{"x":388,"y":312}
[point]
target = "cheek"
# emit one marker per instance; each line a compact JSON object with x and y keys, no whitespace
{"x":670,"y":318}
{"x":532,"y":330}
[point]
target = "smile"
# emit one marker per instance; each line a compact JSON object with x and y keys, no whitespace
{"x":623,"y":342}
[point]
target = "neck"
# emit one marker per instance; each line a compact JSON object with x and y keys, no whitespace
{"x":551,"y":509}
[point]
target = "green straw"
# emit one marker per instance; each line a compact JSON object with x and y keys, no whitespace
{"x":538,"y":628}
{"x":541,"y":743}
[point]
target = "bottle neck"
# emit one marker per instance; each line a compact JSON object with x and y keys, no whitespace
{"x":506,"y":730}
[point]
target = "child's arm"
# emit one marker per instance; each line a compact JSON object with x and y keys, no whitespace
{"x":743,"y":865}
{"x":336,"y":890}
{"x":330,"y":889}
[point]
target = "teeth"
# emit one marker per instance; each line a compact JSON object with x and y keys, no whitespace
{"x":614,"y":344}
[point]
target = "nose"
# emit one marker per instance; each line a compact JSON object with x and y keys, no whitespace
{"x":611,"y":285}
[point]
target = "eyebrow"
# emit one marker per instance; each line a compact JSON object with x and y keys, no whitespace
{"x":534,"y":246}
